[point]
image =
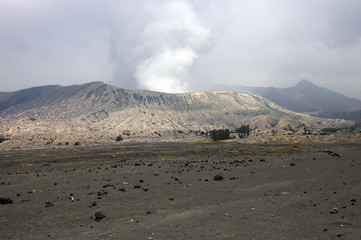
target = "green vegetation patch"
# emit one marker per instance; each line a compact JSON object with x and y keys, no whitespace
{"x":220,"y":134}
{"x":243,"y":131}
{"x":330,"y":130}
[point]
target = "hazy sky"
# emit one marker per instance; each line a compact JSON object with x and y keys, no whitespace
{"x":180,"y":45}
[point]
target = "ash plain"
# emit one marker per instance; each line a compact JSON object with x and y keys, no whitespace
{"x":168,"y":190}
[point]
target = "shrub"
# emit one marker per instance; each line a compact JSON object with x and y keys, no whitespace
{"x":2,"y":138}
{"x":220,"y":134}
{"x":119,"y":138}
{"x":329,"y":130}
{"x":243,"y":131}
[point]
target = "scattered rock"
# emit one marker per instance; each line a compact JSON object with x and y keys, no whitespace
{"x":49,"y":204}
{"x":333,"y":154}
{"x":102,"y":193}
{"x":99,"y":215}
{"x":5,"y":200}
{"x":218,"y":177}
{"x":334,"y":211}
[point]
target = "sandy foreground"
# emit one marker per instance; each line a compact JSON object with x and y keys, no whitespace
{"x":204,"y":190}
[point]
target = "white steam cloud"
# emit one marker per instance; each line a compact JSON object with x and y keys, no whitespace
{"x":169,"y":42}
{"x":167,"y":71}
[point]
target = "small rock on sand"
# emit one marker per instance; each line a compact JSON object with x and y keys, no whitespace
{"x":99,"y":215}
{"x":6,"y":200}
{"x":334,"y":211}
{"x":218,"y":178}
{"x":49,"y":204}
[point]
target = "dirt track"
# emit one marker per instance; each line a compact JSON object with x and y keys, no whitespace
{"x":167,"y":191}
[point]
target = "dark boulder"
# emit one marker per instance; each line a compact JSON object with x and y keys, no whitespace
{"x":218,"y":177}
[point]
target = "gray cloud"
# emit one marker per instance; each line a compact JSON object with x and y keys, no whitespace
{"x":181,"y":45}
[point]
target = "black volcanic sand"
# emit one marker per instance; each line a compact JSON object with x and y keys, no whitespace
{"x":182,"y":191}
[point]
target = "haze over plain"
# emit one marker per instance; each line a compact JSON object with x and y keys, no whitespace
{"x":181,"y":46}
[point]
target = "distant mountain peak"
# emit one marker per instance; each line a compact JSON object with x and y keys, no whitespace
{"x":305,"y":83}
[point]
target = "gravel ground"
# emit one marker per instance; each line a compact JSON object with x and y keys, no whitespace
{"x":183,"y":190}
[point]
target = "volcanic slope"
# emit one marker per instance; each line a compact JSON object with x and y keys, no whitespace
{"x":100,"y":109}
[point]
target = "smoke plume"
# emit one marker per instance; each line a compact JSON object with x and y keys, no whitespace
{"x":168,"y":46}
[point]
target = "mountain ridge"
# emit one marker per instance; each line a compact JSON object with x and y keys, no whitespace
{"x":304,"y":97}
{"x":99,"y":107}
{"x":8,"y":99}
